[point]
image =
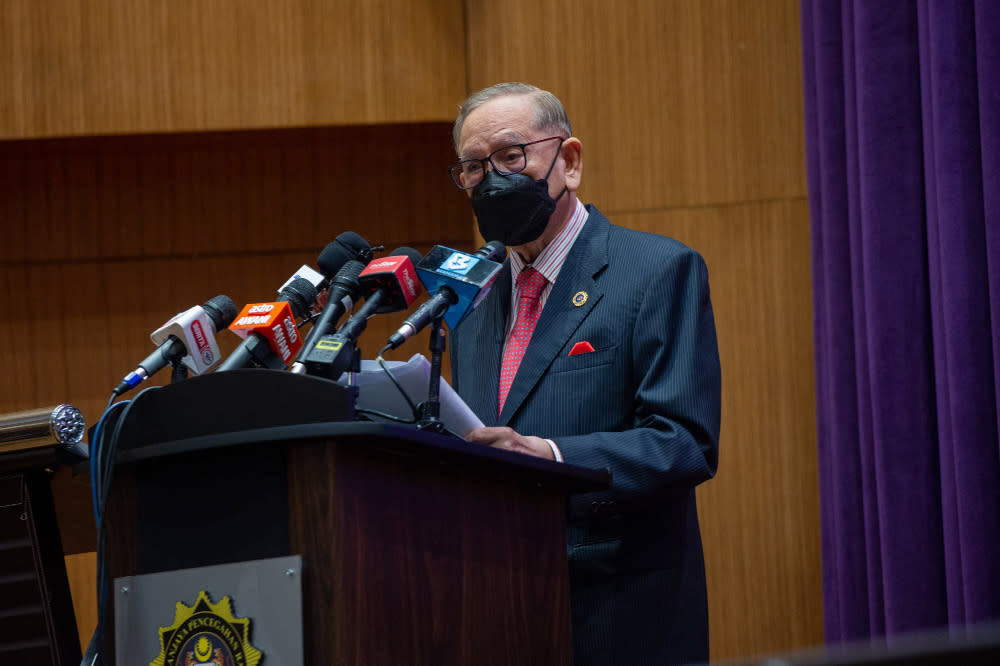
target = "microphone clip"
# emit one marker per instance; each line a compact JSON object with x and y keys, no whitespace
{"x":331,"y":356}
{"x":178,"y":371}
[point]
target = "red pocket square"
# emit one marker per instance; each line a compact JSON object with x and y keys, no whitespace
{"x":581,"y":347}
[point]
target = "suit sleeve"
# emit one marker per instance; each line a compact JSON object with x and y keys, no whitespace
{"x":673,"y":442}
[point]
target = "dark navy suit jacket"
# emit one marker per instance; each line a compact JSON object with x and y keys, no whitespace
{"x":644,"y":404}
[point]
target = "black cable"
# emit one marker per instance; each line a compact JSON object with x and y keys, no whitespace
{"x":91,"y":655}
{"x":383,"y":415}
{"x":109,"y":454}
{"x":399,"y":387}
{"x":310,"y":319}
{"x":103,"y":452}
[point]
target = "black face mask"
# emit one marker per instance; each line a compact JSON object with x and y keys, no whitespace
{"x":513,"y":209}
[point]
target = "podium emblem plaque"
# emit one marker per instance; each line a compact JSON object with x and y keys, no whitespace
{"x":206,"y":633}
{"x":237,"y":614}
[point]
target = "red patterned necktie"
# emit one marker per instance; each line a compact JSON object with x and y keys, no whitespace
{"x":531,"y":284}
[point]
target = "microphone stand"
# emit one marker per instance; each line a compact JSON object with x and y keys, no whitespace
{"x":430,"y":409}
{"x":178,"y":371}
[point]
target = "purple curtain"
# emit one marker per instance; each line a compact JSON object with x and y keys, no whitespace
{"x":902,"y":102}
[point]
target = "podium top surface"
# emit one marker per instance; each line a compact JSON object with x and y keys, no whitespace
{"x":247,"y":407}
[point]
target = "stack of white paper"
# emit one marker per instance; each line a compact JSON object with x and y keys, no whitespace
{"x":377,"y":392}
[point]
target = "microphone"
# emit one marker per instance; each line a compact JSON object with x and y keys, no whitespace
{"x":459,"y":282}
{"x":300,"y":294}
{"x":315,"y":278}
{"x":189,"y":338}
{"x":389,"y":284}
{"x":347,"y":246}
{"x":270,"y":336}
{"x":344,"y":288}
{"x":343,"y":259}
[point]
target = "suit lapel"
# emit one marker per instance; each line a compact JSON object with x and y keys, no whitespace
{"x":561,"y":316}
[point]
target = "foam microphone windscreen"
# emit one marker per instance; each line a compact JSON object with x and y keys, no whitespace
{"x":347,"y":246}
{"x":221,"y":310}
{"x":300,"y":294}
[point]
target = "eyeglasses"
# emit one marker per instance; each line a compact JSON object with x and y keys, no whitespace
{"x":506,"y":161}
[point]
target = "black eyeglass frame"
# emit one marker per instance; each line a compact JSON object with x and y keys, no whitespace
{"x":455,"y":170}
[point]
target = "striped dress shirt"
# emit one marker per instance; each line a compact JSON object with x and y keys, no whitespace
{"x":549,"y":262}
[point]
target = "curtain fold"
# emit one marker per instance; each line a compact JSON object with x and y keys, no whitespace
{"x":901,"y":102}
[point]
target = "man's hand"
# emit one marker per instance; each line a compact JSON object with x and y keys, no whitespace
{"x":506,"y":438}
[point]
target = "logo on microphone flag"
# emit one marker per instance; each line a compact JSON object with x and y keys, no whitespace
{"x":459,"y":263}
{"x":275,"y":322}
{"x":201,"y":340}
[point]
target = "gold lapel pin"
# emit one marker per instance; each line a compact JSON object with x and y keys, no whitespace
{"x":579,"y":298}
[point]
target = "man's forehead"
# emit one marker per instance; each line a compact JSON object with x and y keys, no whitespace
{"x":508,"y":119}
{"x":494,"y":140}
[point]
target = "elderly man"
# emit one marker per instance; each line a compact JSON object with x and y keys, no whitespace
{"x":595,"y":347}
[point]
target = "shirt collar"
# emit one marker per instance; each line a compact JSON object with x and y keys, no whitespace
{"x":550,"y":261}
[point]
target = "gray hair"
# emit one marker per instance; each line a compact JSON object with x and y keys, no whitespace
{"x":549,"y":111}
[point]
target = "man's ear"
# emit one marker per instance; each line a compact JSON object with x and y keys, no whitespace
{"x":572,"y":154}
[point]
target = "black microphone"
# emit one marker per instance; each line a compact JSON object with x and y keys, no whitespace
{"x":343,"y":259}
{"x":301,"y":295}
{"x":271,"y":334}
{"x":347,"y":246}
{"x":389,"y":284}
{"x":459,"y":282}
{"x":194,"y":330}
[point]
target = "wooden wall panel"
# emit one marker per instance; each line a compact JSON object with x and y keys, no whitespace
{"x":81,"y":569}
{"x":760,"y":516}
{"x":106,"y":238}
{"x":108,"y":67}
{"x":678,"y":103}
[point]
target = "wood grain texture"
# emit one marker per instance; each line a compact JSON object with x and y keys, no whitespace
{"x":677,"y":103}
{"x":108,"y":237}
{"x":691,"y":119}
{"x":106,"y":67}
{"x":760,"y":516}
{"x":415,"y":549}
{"x":81,"y":568}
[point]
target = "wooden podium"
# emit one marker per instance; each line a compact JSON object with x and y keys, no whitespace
{"x":417,"y":548}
